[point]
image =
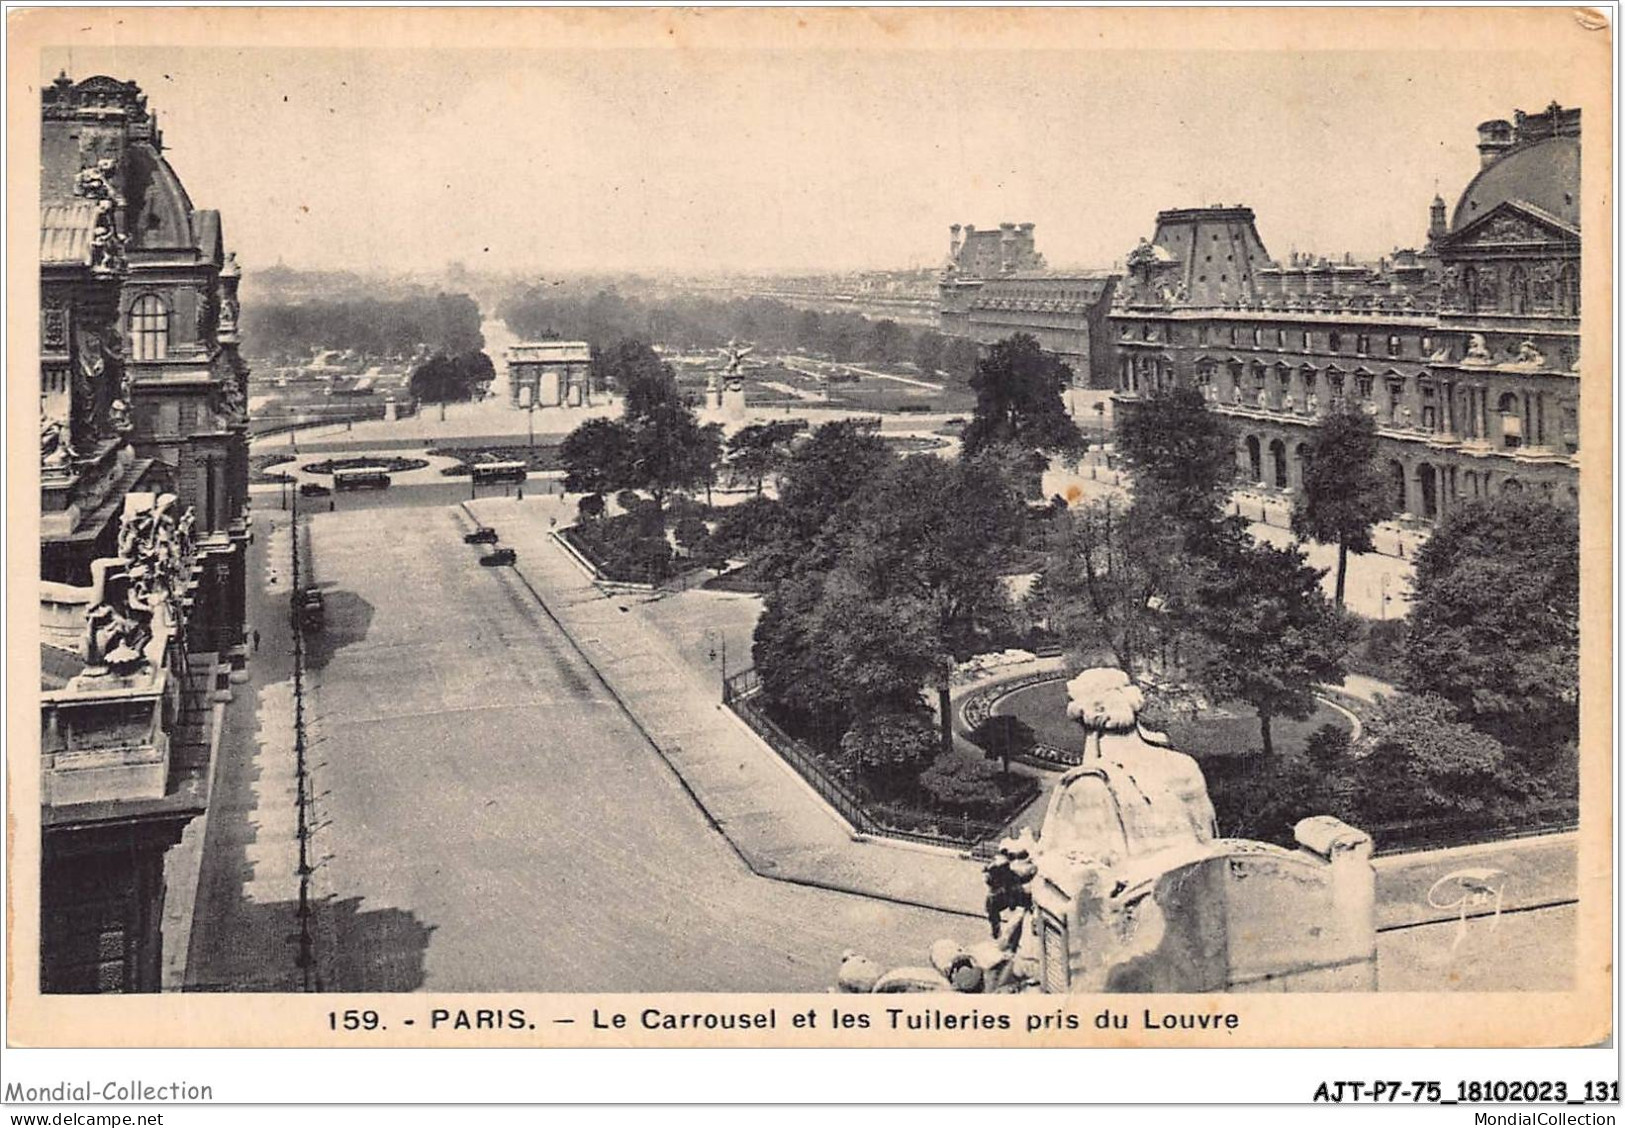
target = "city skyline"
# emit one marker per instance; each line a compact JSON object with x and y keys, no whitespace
{"x":535,"y":160}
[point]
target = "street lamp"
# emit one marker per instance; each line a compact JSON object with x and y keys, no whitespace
{"x":530,"y":421}
{"x":1100,"y":419}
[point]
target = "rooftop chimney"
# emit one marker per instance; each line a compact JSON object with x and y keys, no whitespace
{"x":1494,"y":139}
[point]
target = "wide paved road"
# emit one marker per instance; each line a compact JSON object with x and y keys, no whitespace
{"x":489,"y":819}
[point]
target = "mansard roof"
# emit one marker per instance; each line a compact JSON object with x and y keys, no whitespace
{"x":65,"y":233}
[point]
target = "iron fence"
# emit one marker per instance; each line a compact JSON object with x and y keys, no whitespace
{"x":955,"y":832}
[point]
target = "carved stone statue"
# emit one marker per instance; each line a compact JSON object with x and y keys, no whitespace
{"x":1263,"y":399}
{"x":736,"y":365}
{"x":1235,"y":394}
{"x":1450,"y":288}
{"x":56,"y":449}
{"x":116,"y":632}
{"x":1477,"y":351}
{"x":1405,"y":416}
{"x":1529,"y":355}
{"x":1312,"y":402}
{"x":1289,"y":404}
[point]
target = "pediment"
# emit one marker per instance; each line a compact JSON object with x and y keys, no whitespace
{"x":1512,"y":224}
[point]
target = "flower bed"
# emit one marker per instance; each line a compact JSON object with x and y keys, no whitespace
{"x":392,"y":463}
{"x":536,"y":458}
{"x":867,"y":814}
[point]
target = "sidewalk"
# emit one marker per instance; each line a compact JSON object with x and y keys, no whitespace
{"x":772,"y":818}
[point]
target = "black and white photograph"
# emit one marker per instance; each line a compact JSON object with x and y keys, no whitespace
{"x":1049,"y":512}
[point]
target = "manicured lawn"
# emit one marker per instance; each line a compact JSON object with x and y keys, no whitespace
{"x":1226,"y":733}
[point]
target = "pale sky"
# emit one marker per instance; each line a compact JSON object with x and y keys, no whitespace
{"x":701,"y":161}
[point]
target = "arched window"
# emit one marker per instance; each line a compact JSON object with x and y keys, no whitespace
{"x":1518,"y":290}
{"x":149,"y":328}
{"x":1568,"y":281}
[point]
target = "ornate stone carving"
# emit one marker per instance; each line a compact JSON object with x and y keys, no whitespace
{"x":157,"y":547}
{"x":54,"y":328}
{"x":1508,"y":229}
{"x":56,"y":447}
{"x":117,"y":630}
{"x":1544,"y":284}
{"x":1450,"y":288}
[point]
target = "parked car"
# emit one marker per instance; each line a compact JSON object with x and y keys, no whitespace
{"x":481,"y":536}
{"x":310,"y":609}
{"x":499,"y":557}
{"x":314,"y":489}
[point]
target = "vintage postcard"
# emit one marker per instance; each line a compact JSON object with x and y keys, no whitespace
{"x":810,"y":528}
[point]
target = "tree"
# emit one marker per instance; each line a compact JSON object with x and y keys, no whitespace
{"x":887,"y":342}
{"x":670,"y":451}
{"x":1019,"y":390}
{"x":890,"y":746}
{"x":1343,"y":493}
{"x":1419,"y":761}
{"x":784,"y":648}
{"x":924,"y":540}
{"x":929,"y":348}
{"x":959,"y":359}
{"x":596,"y":457}
{"x":1109,"y":583}
{"x":819,"y":478}
{"x":1180,"y":458}
{"x":446,"y":379}
{"x":646,"y":381}
{"x":759,"y":449}
{"x":749,"y":527}
{"x":591,"y":506}
{"x":1271,"y":635}
{"x":1003,"y":737}
{"x":1495,"y":620}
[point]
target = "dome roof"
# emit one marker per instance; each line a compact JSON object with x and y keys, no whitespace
{"x":1545,"y":175}
{"x":160,"y":212}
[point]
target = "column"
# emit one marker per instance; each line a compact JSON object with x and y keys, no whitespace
{"x":1528,"y":436}
{"x":1483,"y":413}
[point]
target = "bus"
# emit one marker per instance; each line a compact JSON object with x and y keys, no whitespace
{"x":361,"y":478}
{"x":498,"y":473}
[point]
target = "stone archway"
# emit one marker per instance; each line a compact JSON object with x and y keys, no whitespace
{"x":1304,"y":458}
{"x":1278,"y":464}
{"x":1396,"y":478}
{"x":1255,"y":459}
{"x":1427,"y":491}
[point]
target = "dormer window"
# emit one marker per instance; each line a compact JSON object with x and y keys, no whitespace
{"x":149,"y":328}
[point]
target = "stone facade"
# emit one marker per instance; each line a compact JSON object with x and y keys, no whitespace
{"x":144,"y":506}
{"x":1466,"y":352}
{"x":995,"y":285}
